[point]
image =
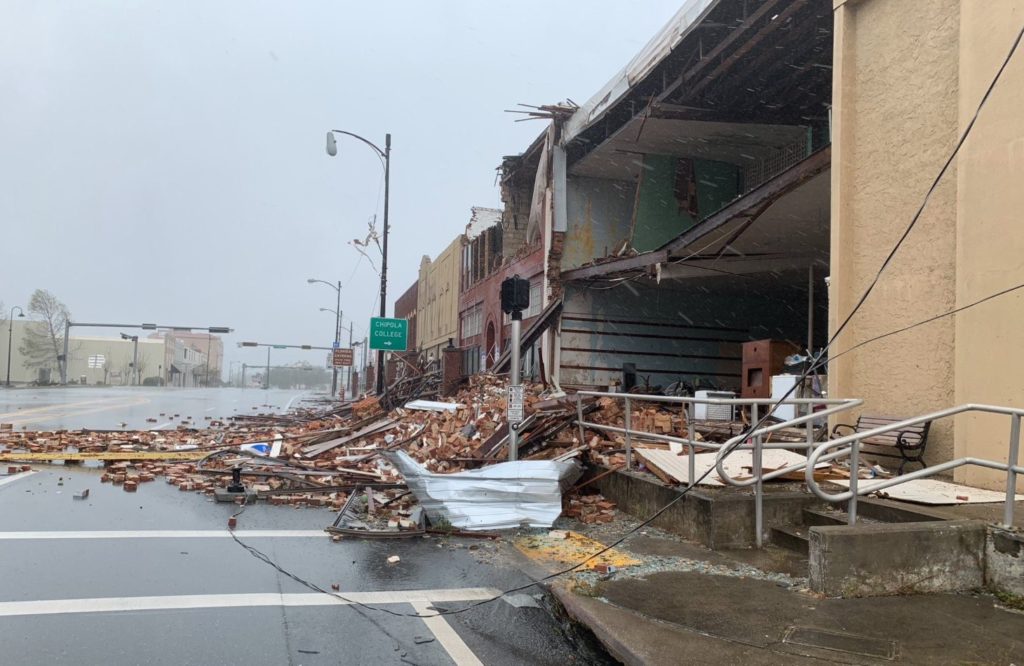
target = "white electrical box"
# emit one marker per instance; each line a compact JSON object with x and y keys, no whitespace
{"x":706,"y":412}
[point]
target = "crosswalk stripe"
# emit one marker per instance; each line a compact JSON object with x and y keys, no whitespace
{"x":254,"y":600}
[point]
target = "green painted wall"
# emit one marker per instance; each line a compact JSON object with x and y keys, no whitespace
{"x":658,"y":218}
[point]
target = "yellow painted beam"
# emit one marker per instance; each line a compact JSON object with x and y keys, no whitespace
{"x":105,"y":455}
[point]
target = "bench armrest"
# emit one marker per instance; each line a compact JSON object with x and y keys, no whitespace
{"x":851,"y":428}
{"x":901,"y":441}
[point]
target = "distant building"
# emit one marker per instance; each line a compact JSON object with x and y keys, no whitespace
{"x":437,"y":314}
{"x":495,"y":246}
{"x":405,"y":308}
{"x":173,"y":358}
{"x":186,"y":355}
{"x":101,"y":360}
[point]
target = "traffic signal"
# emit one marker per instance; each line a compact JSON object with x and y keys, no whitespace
{"x":515,"y":294}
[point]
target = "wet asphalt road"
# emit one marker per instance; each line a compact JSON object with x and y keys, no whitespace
{"x":194,"y":596}
{"x":106,"y":408}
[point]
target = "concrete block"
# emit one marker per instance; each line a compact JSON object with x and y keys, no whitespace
{"x":716,"y":518}
{"x":1004,"y":561}
{"x":905,"y":558}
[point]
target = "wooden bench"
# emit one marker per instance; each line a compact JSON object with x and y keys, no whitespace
{"x":908,"y":441}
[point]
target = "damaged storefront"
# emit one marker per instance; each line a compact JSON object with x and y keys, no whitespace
{"x":684,"y":208}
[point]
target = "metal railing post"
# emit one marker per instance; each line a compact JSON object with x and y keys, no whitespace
{"x":1011,"y":475}
{"x":690,"y":433}
{"x":759,"y":507}
{"x":629,"y":439}
{"x":851,"y":505}
{"x":758,"y":481}
{"x":579,"y":417}
{"x":810,"y":427}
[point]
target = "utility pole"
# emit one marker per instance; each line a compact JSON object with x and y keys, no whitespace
{"x":337,"y":337}
{"x":384,"y":258}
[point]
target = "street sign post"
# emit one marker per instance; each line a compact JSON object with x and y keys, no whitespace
{"x":514,"y":405}
{"x":389,"y":334}
{"x":342,"y":358}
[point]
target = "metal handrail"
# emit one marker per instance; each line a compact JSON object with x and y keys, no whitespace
{"x":832,"y":405}
{"x":690,"y":441}
{"x":755,"y":442}
{"x":1012,"y":467}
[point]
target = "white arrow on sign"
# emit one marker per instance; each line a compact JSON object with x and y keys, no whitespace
{"x":387,"y":343}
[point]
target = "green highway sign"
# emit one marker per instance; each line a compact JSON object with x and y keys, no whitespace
{"x":389,"y":334}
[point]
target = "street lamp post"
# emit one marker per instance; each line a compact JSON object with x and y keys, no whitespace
{"x":135,"y":358}
{"x":10,"y":338}
{"x":385,"y":155}
{"x":337,"y":327}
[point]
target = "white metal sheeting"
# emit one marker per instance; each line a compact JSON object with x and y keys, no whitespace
{"x":502,"y":496}
{"x":432,"y":406}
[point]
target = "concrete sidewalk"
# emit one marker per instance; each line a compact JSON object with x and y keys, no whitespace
{"x":686,"y":604}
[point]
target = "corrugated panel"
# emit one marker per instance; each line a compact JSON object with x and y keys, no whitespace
{"x":656,"y":50}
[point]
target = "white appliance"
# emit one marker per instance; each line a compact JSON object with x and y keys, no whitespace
{"x":781,"y":384}
{"x":705,"y":412}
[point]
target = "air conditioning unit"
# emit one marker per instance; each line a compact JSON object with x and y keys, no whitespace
{"x":706,"y":412}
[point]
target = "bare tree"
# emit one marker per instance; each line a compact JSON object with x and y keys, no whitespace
{"x":43,"y":343}
{"x":139,"y":370}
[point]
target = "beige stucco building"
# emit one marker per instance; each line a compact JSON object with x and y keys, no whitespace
{"x":175,"y":358}
{"x":437,"y":304}
{"x":907,"y":79}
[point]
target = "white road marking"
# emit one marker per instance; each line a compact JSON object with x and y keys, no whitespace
{"x":289,"y":405}
{"x":56,"y":406}
{"x":446,"y":636}
{"x":161,"y":534}
{"x":66,"y":413}
{"x":193,"y":601}
{"x":210,"y":409}
{"x":16,"y":477}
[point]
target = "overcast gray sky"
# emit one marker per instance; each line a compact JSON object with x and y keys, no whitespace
{"x":164,"y":161}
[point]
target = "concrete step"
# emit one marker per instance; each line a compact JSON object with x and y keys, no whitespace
{"x":891,"y":511}
{"x":814,"y":517}
{"x":793,"y":538}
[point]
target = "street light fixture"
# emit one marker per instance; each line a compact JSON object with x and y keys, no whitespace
{"x":10,"y":337}
{"x":337,"y":327}
{"x":385,"y":157}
